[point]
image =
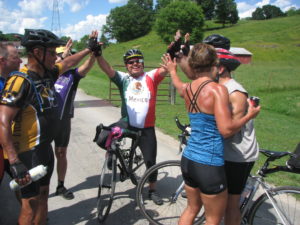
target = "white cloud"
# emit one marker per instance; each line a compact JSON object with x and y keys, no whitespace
{"x":17,"y":20}
{"x":117,"y":1}
{"x":262,"y":3}
{"x":245,"y":9}
{"x":84,"y":27}
{"x":76,"y":5}
{"x":282,"y":3}
{"x":33,"y":8}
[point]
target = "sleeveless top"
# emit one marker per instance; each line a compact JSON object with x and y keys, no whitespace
{"x":205,"y":144}
{"x":138,"y":96}
{"x":241,"y":147}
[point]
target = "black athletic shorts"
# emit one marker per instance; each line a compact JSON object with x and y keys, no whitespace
{"x":237,"y":174}
{"x":63,"y":131}
{"x":209,"y":179}
{"x":41,"y":154}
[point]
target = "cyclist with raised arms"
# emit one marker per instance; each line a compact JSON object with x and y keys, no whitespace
{"x":207,"y":102}
{"x":240,"y":150}
{"x":138,"y":90}
{"x":28,"y":109}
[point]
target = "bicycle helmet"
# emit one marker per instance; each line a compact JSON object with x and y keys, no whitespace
{"x":218,"y":41}
{"x":132,"y":53}
{"x":227,"y":59}
{"x":40,"y":37}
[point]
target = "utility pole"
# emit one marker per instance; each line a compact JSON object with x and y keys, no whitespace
{"x":55,"y":24}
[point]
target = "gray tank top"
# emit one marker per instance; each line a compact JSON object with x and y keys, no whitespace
{"x":242,"y":147}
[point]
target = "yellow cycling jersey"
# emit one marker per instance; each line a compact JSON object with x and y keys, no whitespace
{"x":35,"y":96}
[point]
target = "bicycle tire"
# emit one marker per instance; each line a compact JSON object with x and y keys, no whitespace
{"x":106,"y":189}
{"x":169,"y":178}
{"x":287,"y":199}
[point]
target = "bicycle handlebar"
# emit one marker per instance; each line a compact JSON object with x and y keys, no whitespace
{"x":182,"y":127}
{"x":125,"y":132}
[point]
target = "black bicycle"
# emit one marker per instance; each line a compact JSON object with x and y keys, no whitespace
{"x":122,"y":161}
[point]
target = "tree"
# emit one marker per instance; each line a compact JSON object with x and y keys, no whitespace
{"x":226,"y":12}
{"x":145,"y":4}
{"x":258,"y":14}
{"x":81,"y":44}
{"x":208,"y":7}
{"x":104,"y":40}
{"x":128,"y":22}
{"x":160,"y":4}
{"x":293,"y":11}
{"x":184,"y":15}
{"x":65,"y":38}
{"x":271,"y":11}
{"x":267,"y":12}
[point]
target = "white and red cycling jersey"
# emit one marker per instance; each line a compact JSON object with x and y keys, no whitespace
{"x":138,"y":97}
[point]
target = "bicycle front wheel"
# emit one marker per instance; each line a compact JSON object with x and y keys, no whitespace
{"x":287,"y":200}
{"x":107,"y":186}
{"x":169,"y":186}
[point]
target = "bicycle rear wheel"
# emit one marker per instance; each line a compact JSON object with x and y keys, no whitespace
{"x":287,"y":200}
{"x":169,"y":185}
{"x":106,"y":188}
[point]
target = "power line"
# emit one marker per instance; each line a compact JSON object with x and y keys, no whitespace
{"x":55,"y":24}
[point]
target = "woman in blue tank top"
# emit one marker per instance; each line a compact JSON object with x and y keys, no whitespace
{"x":207,"y":104}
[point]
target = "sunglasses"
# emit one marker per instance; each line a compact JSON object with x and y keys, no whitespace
{"x":135,"y":61}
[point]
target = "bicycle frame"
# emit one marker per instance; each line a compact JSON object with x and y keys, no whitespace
{"x":259,"y":182}
{"x":127,"y":170}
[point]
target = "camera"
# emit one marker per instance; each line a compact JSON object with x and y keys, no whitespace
{"x":254,"y":100}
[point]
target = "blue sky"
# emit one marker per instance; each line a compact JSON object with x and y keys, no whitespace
{"x":79,"y":17}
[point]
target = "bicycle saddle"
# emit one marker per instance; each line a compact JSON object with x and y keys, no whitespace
{"x":273,"y":154}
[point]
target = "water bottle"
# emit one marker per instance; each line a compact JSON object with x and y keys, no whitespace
{"x":35,"y":173}
{"x":246,"y":193}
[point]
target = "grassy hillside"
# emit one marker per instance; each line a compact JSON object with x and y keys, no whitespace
{"x":273,"y":75}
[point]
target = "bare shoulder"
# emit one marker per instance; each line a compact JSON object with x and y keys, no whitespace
{"x":218,"y":88}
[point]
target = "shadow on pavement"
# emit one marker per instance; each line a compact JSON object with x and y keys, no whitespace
{"x":124,"y":209}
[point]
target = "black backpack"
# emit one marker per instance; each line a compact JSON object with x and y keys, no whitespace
{"x":102,"y":134}
{"x":294,"y":161}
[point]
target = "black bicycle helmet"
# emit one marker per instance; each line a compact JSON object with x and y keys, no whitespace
{"x":132,"y":53}
{"x":218,"y":41}
{"x":40,"y":37}
{"x":227,"y":59}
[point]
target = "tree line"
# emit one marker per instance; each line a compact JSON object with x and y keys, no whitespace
{"x":138,"y":17}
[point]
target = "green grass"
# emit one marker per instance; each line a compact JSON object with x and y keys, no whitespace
{"x":273,"y":75}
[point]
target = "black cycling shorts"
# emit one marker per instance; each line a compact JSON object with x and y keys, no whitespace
{"x":63,"y":131}
{"x":41,"y":154}
{"x":209,"y":179}
{"x":237,"y":174}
